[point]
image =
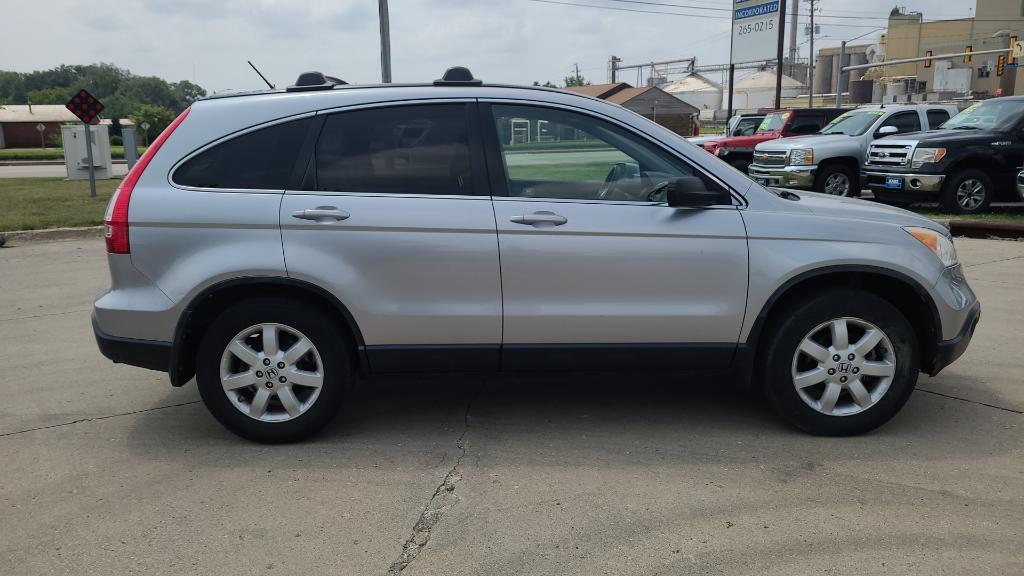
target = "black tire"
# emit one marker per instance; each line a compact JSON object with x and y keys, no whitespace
{"x":307,"y":319}
{"x":950,"y":196}
{"x":837,"y":170}
{"x":786,"y":333}
{"x":740,"y":165}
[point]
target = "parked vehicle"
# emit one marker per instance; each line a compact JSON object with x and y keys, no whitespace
{"x":738,"y":151}
{"x":278,"y":244}
{"x":738,"y":125}
{"x":830,"y":160}
{"x":964,"y":165}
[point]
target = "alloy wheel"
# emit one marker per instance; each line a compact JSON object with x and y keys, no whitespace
{"x":271,"y":372}
{"x":843,"y":367}
{"x":837,"y":184}
{"x":970,"y":194}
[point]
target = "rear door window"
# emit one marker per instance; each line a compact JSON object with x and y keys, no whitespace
{"x":263,"y":159}
{"x":936,"y":117}
{"x":416,"y":149}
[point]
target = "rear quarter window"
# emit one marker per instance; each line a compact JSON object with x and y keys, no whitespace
{"x":263,"y":159}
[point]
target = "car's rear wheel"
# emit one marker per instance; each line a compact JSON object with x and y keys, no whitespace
{"x":842,"y":362}
{"x":968,"y":192}
{"x":272,"y":370}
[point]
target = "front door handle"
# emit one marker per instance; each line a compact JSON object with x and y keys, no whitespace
{"x":543,"y":217}
{"x":322,"y":214}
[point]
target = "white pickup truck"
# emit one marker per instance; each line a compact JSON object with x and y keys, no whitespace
{"x":830,"y":160}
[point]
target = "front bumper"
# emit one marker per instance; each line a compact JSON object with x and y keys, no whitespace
{"x":903,"y":183}
{"x":148,"y":354}
{"x":947,"y":351}
{"x":783,"y":176}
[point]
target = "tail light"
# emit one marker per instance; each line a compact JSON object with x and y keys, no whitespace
{"x":116,"y":219}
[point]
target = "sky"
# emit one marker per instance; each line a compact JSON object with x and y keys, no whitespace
{"x":507,"y":41}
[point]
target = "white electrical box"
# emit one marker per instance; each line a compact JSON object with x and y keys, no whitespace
{"x":76,"y":158}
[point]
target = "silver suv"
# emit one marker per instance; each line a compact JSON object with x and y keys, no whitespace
{"x":278,"y":245}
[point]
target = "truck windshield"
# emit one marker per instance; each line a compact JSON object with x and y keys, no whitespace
{"x":773,"y":122}
{"x":995,"y":113}
{"x":852,"y":123}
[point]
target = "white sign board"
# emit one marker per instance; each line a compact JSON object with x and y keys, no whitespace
{"x":1018,"y":50}
{"x":755,"y":30}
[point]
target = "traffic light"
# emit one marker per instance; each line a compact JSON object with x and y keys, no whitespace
{"x":967,"y":57}
{"x":1000,"y":64}
{"x":928,"y":63}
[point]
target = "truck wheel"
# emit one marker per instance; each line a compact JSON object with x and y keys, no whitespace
{"x":740,"y":165}
{"x":837,"y":180}
{"x":840,"y":363}
{"x":272,"y":370}
{"x":967,"y":192}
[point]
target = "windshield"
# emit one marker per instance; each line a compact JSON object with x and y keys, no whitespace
{"x":852,"y":123}
{"x":773,"y":122}
{"x":996,"y":113}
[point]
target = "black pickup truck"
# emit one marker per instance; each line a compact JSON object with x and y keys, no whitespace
{"x":965,"y":164}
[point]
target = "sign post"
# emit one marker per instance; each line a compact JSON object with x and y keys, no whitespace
{"x":145,"y":132}
{"x":42,"y":139}
{"x":87,"y":109}
{"x":756,"y":29}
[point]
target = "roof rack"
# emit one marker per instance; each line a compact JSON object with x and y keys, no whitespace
{"x":458,"y":76}
{"x":309,"y":81}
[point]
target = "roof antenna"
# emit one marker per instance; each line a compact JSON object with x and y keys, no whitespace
{"x":261,"y":74}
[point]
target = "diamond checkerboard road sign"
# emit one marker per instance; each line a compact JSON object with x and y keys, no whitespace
{"x":84,"y":106}
{"x":755,"y":30}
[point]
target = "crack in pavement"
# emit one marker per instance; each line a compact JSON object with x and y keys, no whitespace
{"x":993,"y":261}
{"x":441,"y":501}
{"x":44,"y":315}
{"x":1012,"y":410}
{"x":81,"y":420}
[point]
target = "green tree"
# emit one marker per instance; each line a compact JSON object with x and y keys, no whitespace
{"x":185,"y":93}
{"x":157,"y":117}
{"x":49,"y":95}
{"x":546,"y":84}
{"x":576,"y":80}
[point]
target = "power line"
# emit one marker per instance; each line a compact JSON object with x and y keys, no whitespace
{"x":617,"y":9}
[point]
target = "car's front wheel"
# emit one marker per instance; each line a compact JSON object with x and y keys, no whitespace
{"x":837,"y":180}
{"x":839,"y":363}
{"x":968,"y":192}
{"x":272,"y":370}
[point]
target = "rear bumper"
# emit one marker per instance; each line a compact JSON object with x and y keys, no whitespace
{"x":947,"y":351}
{"x":148,"y":354}
{"x":784,"y":177}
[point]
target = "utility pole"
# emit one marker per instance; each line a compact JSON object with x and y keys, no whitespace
{"x":839,"y":77}
{"x":385,"y":42}
{"x":794,"y":18}
{"x":778,"y":51}
{"x":577,"y":67}
{"x":810,"y":63}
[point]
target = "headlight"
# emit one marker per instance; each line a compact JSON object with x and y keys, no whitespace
{"x":801,"y":157}
{"x":927,"y":155}
{"x":938,"y":243}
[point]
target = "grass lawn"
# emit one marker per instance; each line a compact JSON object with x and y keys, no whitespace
{"x":37,"y":203}
{"x":1012,"y":215}
{"x":565,"y":172}
{"x":52,"y":153}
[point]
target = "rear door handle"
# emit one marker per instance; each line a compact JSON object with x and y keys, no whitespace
{"x":322,"y":214}
{"x":543,"y":217}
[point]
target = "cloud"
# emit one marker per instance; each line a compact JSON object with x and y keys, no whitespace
{"x":511,"y":41}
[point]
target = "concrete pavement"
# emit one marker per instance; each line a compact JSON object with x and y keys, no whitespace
{"x":109,"y":470}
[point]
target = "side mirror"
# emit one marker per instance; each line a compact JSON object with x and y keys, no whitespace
{"x":886,"y":131}
{"x":690,"y":192}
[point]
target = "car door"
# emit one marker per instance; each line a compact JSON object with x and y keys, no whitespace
{"x":597,"y":271}
{"x":394,"y":218}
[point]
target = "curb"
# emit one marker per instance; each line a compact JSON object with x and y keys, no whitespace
{"x":985,"y":229}
{"x":52,"y":234}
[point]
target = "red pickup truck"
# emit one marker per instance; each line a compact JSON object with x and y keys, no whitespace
{"x":739,"y":150}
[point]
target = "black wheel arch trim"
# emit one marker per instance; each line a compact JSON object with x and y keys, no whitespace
{"x":182,"y":366}
{"x":750,"y":346}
